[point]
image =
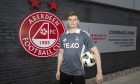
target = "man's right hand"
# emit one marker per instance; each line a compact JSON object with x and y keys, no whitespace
{"x":57,"y":75}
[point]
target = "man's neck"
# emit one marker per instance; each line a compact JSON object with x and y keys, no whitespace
{"x":72,"y":30}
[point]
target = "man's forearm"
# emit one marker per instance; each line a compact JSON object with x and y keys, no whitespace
{"x":97,"y":59}
{"x":99,"y":66}
{"x":58,"y":65}
{"x":60,"y":54}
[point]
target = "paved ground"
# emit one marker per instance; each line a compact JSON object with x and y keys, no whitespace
{"x":129,"y":76}
{"x":133,"y":78}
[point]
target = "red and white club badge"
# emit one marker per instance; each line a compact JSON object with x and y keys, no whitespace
{"x":39,"y":34}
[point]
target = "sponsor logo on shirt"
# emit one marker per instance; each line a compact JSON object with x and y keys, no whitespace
{"x":71,"y":45}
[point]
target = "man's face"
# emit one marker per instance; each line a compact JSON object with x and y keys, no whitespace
{"x":72,"y":21}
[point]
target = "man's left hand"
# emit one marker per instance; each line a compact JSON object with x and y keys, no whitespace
{"x":99,"y":78}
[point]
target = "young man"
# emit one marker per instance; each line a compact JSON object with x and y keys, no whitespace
{"x":69,"y":68}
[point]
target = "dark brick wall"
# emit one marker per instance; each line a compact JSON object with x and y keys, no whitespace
{"x":18,"y":67}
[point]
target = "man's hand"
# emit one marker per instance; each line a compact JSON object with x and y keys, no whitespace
{"x":57,"y":75}
{"x":99,"y":78}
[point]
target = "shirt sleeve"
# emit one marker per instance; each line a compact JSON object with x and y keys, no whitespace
{"x":61,"y":42}
{"x":88,"y":42}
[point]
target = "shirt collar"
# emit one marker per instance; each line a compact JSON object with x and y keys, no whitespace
{"x":77,"y":31}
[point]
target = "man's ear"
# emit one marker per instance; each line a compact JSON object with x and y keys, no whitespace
{"x":78,"y":21}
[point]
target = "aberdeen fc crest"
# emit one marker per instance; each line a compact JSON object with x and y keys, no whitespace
{"x":39,"y":34}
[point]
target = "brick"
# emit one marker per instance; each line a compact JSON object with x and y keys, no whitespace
{"x":4,"y":34}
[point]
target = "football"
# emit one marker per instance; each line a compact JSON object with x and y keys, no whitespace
{"x":88,"y":59}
